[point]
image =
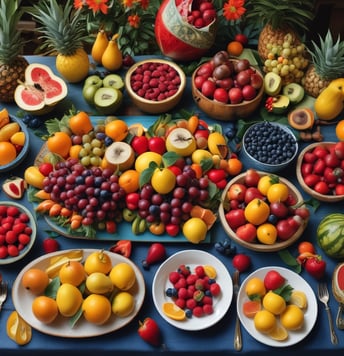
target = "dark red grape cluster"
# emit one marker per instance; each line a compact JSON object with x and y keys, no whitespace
{"x":93,"y":192}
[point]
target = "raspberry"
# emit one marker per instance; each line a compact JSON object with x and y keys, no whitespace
{"x":208,"y":309}
{"x":191,"y":303}
{"x":180,"y":303}
{"x":197,"y":311}
{"x":215,"y":289}
{"x":182,"y":293}
{"x":174,"y":277}
{"x":200,"y":271}
{"x":191,"y":279}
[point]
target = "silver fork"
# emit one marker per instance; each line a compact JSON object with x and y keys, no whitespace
{"x":3,"y":293}
{"x":324,"y":298}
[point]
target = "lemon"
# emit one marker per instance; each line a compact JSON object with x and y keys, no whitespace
{"x":123,"y":276}
{"x":123,"y":304}
{"x":292,"y":318}
{"x":264,"y":321}
{"x":274,"y":303}
{"x":68,"y":299}
{"x":255,"y":287}
{"x":279,"y":333}
{"x":144,"y":159}
{"x":195,"y":230}
{"x":299,"y":298}
{"x":210,"y":271}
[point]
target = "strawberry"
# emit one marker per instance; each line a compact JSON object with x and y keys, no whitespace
{"x":50,"y":245}
{"x":149,"y":331}
{"x":273,"y":280}
{"x":316,"y":267}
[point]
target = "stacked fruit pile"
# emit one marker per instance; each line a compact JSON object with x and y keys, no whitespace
{"x":106,"y":174}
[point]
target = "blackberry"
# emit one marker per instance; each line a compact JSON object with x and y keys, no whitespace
{"x":269,"y":143}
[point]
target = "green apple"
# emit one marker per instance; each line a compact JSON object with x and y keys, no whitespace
{"x":108,"y":100}
{"x":93,"y":80}
{"x":113,"y":81}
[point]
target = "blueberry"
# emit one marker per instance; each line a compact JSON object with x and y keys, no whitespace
{"x":108,"y":141}
{"x":188,"y":313}
{"x":169,"y":292}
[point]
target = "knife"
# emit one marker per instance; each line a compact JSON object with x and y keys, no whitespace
{"x":237,"y":332}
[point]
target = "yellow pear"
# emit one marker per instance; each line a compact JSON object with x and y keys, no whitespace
{"x":99,"y":46}
{"x":112,"y":56}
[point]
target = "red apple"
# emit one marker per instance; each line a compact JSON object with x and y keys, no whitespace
{"x":208,"y":88}
{"x":157,"y":144}
{"x":206,"y":69}
{"x":199,"y":80}
{"x":240,"y":37}
{"x":237,"y":191}
{"x":248,"y":92}
{"x":235,"y":96}
{"x":221,"y":95}
{"x":139,"y":144}
{"x":225,"y":83}
{"x":235,"y":218}
{"x":243,"y":78}
{"x":256,"y":81}
{"x":247,"y":232}
{"x":252,"y":193}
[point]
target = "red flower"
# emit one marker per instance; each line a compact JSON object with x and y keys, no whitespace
{"x":234,"y":9}
{"x":134,"y":21}
{"x":128,"y":3}
{"x":78,"y":4}
{"x":98,"y":5}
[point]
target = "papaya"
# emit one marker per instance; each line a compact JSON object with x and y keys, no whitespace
{"x":330,"y":102}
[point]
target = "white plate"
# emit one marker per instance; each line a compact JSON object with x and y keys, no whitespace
{"x":193,"y":258}
{"x":298,"y":283}
{"x":22,"y":300}
{"x":32,"y":223}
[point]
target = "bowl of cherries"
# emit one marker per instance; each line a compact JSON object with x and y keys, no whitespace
{"x":320,"y":171}
{"x":155,"y":85}
{"x":226,"y":88}
{"x":263,"y":211}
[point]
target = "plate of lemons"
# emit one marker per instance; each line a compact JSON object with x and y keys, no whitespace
{"x":79,"y":293}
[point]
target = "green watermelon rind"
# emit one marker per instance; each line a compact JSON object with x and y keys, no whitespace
{"x":330,"y":235}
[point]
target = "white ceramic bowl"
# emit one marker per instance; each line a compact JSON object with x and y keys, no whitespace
{"x":32,"y":223}
{"x":23,"y":153}
{"x":152,"y":106}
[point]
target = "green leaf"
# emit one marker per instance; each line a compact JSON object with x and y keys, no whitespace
{"x":31,"y":191}
{"x":73,"y":320}
{"x":206,"y":164}
{"x":146,"y":174}
{"x":52,"y":288}
{"x":284,"y":291}
{"x":290,"y":260}
{"x":170,"y":158}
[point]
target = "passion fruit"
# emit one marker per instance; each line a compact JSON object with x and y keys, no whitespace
{"x":301,"y":118}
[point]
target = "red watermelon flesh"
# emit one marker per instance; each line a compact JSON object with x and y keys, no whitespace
{"x":338,"y":283}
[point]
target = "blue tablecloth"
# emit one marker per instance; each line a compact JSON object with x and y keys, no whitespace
{"x":215,"y":340}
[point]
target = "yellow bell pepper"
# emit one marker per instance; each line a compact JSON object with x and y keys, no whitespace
{"x":18,"y":330}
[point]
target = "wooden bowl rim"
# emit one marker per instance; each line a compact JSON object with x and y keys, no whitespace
{"x":259,"y":247}
{"x":151,"y":102}
{"x":308,"y":190}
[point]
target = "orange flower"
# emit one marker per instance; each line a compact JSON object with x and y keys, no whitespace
{"x":234,"y":9}
{"x":134,"y":21}
{"x":98,"y":5}
{"x":78,"y":4}
{"x":128,"y":3}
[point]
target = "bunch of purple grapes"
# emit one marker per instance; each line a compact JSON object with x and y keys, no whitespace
{"x":93,"y":192}
{"x":175,"y":207}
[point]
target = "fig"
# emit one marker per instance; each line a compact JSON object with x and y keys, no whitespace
{"x":301,"y":118}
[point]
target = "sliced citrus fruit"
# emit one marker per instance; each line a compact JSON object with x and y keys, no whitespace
{"x":136,"y":129}
{"x":298,"y":298}
{"x":173,"y":311}
{"x":251,"y":307}
{"x":279,"y":333}
{"x":210,"y":271}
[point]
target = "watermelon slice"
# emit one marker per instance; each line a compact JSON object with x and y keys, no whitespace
{"x":338,"y":283}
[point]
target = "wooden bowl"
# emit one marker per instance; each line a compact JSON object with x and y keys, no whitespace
{"x":257,"y":246}
{"x":24,"y":151}
{"x":152,"y":106}
{"x":322,"y":197}
{"x":225,"y":112}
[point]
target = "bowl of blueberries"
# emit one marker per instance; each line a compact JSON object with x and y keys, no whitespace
{"x":269,"y":146}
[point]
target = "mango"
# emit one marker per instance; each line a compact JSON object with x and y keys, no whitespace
{"x":9,"y":130}
{"x":99,"y":283}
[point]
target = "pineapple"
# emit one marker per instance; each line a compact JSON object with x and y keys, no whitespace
{"x":283,"y":22}
{"x":327,"y":64}
{"x":12,"y":64}
{"x":63,"y":31}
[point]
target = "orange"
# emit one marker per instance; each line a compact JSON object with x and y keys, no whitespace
{"x":234,"y":166}
{"x":59,"y":143}
{"x":98,"y":261}
{"x":265,"y":182}
{"x":274,"y":303}
{"x":173,"y":311}
{"x":129,"y":181}
{"x":235,"y":48}
{"x":267,"y":233}
{"x":18,"y":138}
{"x":73,"y":273}
{"x":251,"y":307}
{"x":340,"y":130}
{"x":265,"y":321}
{"x":292,"y":318}
{"x":305,"y":246}
{"x":35,"y":280}
{"x":257,"y":211}
{"x":45,"y":309}
{"x":278,"y":192}
{"x":96,"y":309}
{"x":7,"y":152}
{"x":117,"y":130}
{"x":80,"y":123}
{"x":198,"y":170}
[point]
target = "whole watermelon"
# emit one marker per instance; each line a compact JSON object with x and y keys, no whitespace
{"x":330,"y":235}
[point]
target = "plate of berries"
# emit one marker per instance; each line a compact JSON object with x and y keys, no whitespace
{"x":192,"y":290}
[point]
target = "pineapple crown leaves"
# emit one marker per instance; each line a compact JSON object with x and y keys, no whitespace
{"x":328,"y":57}
{"x":11,"y":42}
{"x":63,"y":28}
{"x":278,"y":14}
